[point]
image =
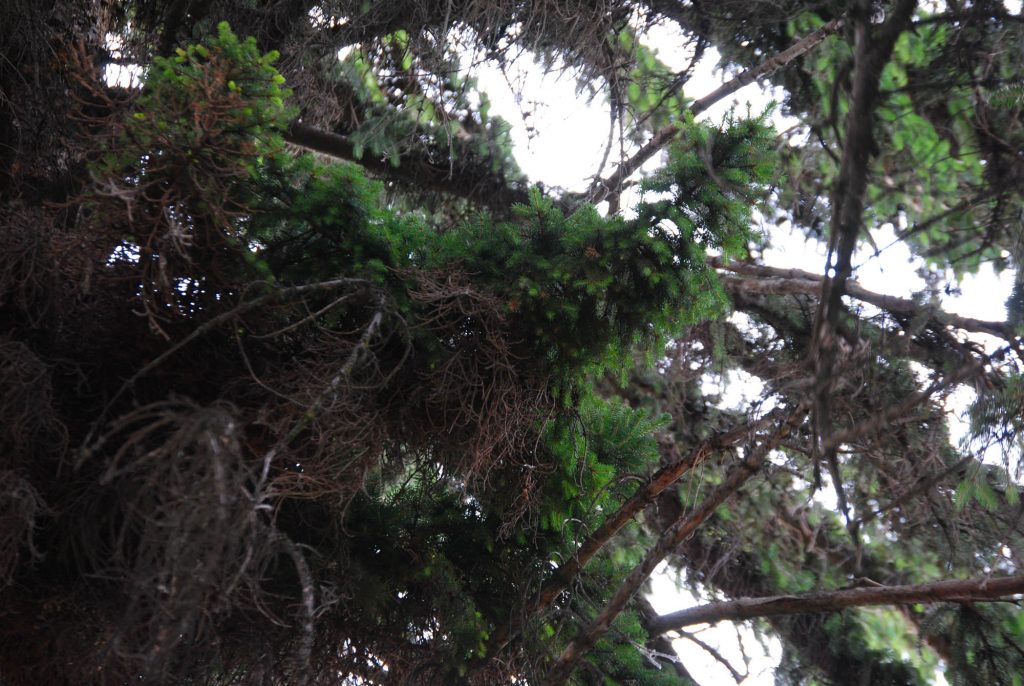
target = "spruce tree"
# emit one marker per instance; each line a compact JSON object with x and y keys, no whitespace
{"x":303,"y":381}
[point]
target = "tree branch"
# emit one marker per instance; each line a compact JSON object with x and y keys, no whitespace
{"x":659,"y":649}
{"x":474,"y":182}
{"x":662,"y":479}
{"x":872,"y":49}
{"x":922,"y":485}
{"x":602,"y":188}
{"x":894,"y":413}
{"x":718,"y":657}
{"x":775,"y":281}
{"x":274,"y":296}
{"x":955,"y":591}
{"x":669,"y":540}
{"x":477,"y":184}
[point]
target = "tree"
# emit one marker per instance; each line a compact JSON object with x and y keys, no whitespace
{"x":303,"y":382}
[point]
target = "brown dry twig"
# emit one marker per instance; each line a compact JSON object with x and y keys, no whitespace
{"x":274,"y":296}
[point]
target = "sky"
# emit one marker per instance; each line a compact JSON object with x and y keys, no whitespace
{"x":564,"y":146}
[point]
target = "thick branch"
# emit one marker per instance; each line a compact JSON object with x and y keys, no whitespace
{"x":719,"y":564}
{"x":872,"y":49}
{"x":775,"y":281}
{"x":669,"y":540}
{"x":956,"y":591}
{"x":602,"y":188}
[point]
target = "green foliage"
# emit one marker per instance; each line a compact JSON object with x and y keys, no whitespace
{"x":714,"y":176}
{"x":622,"y":659}
{"x":871,"y":660}
{"x":1015,"y":305}
{"x":935,"y":174}
{"x":997,"y":418}
{"x":580,"y":291}
{"x":430,"y":564}
{"x":432,"y":441}
{"x":218,"y":103}
{"x":313,"y":222}
{"x":396,"y":117}
{"x":570,"y":294}
{"x":609,"y":440}
{"x":983,"y":643}
{"x":176,"y":182}
{"x":1008,"y":97}
{"x":582,"y":287}
{"x":653,"y":94}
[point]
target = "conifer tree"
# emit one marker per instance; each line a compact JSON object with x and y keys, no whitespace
{"x":303,"y":381}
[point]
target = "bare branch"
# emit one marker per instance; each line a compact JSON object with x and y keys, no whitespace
{"x":952,"y":591}
{"x":333,"y":388}
{"x":274,"y":296}
{"x":718,"y":657}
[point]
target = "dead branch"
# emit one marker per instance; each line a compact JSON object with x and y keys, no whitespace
{"x":335,"y":386}
{"x":274,"y":296}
